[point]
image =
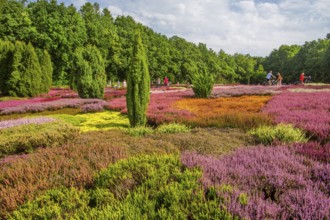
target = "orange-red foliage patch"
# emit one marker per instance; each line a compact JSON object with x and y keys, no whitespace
{"x":241,"y":112}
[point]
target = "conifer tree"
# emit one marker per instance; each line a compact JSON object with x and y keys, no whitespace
{"x":138,"y":84}
{"x":6,"y":58}
{"x":25,"y":76}
{"x":32,"y":72}
{"x":89,"y":72}
{"x":46,"y":70}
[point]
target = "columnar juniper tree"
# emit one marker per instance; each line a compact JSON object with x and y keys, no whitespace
{"x":138,"y":84}
{"x":46,"y":70}
{"x":89,"y":72}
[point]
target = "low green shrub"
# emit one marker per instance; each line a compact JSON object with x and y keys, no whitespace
{"x":144,"y":187}
{"x":26,"y":138}
{"x":162,"y":129}
{"x":172,"y":128}
{"x":139,"y":131}
{"x":284,"y":133}
{"x":55,"y":204}
{"x":202,"y":84}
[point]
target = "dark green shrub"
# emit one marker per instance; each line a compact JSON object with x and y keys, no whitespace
{"x":202,"y":84}
{"x":26,"y":138}
{"x":138,"y":85}
{"x":89,"y":72}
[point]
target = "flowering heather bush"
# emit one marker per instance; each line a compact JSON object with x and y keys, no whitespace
{"x":24,"y":121}
{"x":225,"y":91}
{"x":279,"y":184}
{"x":236,"y":112}
{"x":110,"y":93}
{"x":284,"y":133}
{"x":94,"y":107}
{"x":61,"y":93}
{"x":309,"y":111}
{"x":314,"y":150}
{"x":52,"y":105}
{"x":18,"y":102}
{"x":26,"y":138}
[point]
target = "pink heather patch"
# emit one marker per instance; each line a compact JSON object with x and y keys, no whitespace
{"x":53,"y":105}
{"x":24,"y":121}
{"x":238,"y":90}
{"x":62,"y":93}
{"x":279,"y":183}
{"x":13,"y":103}
{"x":309,"y":111}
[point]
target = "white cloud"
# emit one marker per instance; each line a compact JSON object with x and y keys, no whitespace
{"x":243,"y":26}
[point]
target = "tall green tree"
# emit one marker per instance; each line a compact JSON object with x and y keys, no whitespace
{"x":138,"y":84}
{"x":60,"y":30}
{"x":89,"y":72}
{"x":46,"y":70}
{"x":6,"y":58}
{"x":25,"y":77}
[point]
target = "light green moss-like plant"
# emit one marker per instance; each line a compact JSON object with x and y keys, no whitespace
{"x":202,"y":84}
{"x":284,"y":133}
{"x":163,"y":129}
{"x":139,"y":131}
{"x":26,"y":138}
{"x":173,"y":128}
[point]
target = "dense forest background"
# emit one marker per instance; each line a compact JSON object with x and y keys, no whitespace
{"x":60,"y":30}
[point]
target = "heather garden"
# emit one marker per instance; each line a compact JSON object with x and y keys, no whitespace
{"x":88,"y":130}
{"x":246,"y":152}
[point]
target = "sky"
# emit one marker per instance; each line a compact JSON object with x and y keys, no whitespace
{"x":254,"y":27}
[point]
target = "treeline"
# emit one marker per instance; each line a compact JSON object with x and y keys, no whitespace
{"x":313,"y":58}
{"x":63,"y":30}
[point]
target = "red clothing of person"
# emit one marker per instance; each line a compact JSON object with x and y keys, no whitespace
{"x":166,"y":81}
{"x":302,"y":77}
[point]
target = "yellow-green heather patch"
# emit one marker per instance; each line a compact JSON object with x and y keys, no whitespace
{"x":103,"y":121}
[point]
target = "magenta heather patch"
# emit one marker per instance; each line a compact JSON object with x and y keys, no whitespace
{"x":274,"y":178}
{"x":110,"y":93}
{"x":314,"y":150}
{"x":309,"y":111}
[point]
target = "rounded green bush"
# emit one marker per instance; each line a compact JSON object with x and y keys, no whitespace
{"x":284,"y":133}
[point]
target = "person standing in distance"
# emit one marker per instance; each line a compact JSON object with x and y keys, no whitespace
{"x":269,"y":77}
